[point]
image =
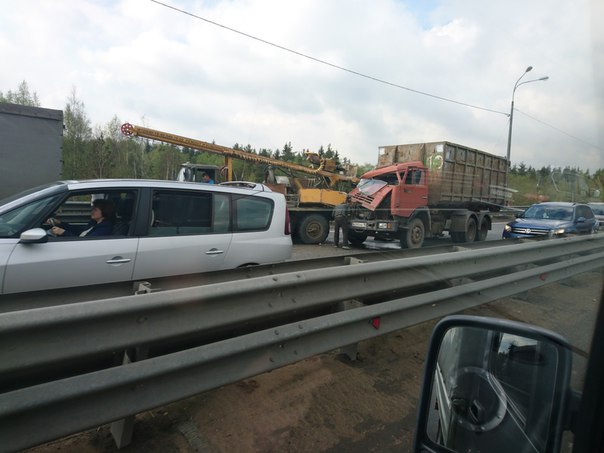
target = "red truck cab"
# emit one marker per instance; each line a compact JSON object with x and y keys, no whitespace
{"x":406,"y":185}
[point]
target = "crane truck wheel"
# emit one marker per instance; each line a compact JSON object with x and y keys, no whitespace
{"x":412,"y":237}
{"x":313,"y":229}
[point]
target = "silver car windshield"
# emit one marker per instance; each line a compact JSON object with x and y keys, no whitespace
{"x":13,"y":222}
{"x":8,"y":203}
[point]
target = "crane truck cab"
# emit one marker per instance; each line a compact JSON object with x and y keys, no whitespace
{"x":193,"y":172}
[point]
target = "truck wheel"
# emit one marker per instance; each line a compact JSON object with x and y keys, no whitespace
{"x":412,"y":237}
{"x":356,"y":238}
{"x":471,"y":230}
{"x":481,"y":233}
{"x":313,"y":229}
{"x":465,"y":236}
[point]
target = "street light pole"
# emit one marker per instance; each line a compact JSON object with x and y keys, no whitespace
{"x":516,"y":85}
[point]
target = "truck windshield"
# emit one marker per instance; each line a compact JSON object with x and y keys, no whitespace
{"x":370,"y":186}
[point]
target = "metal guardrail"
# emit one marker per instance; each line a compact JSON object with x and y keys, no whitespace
{"x":26,"y":301}
{"x":35,"y":339}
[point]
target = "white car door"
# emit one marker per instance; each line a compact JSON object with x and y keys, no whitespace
{"x":62,"y":263}
{"x":6,"y":248}
{"x":189,"y":233}
{"x":33,"y":261}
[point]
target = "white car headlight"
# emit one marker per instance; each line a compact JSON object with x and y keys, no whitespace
{"x":558,"y":231}
{"x":507,"y":228}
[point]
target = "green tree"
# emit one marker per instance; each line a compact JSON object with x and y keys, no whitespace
{"x":106,"y":158}
{"x":77,"y":134}
{"x":329,"y":154}
{"x":22,"y":96}
{"x":521,"y":169}
{"x":287,"y":154}
{"x":164,"y":162}
{"x":364,"y":168}
{"x":101,"y":156}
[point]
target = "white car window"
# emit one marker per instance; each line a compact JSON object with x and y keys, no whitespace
{"x":177,"y":213}
{"x":253,"y":213}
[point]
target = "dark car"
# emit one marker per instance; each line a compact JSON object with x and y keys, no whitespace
{"x":598,"y":210}
{"x":553,"y":219}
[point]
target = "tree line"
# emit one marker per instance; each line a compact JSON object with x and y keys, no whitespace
{"x":104,"y":152}
{"x":91,"y":152}
{"x":555,"y":184}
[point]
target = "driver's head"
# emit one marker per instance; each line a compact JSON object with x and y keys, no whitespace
{"x":106,"y":207}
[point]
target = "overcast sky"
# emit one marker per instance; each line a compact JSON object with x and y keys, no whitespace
{"x":147,"y":63}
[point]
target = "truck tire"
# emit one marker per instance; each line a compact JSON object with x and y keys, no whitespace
{"x":413,"y":236}
{"x":471,"y":230}
{"x":313,"y":229}
{"x":356,"y":238}
{"x":465,"y":236}
{"x":482,"y":231}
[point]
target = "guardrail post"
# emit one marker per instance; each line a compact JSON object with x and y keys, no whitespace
{"x":122,"y":430}
{"x":351,"y":350}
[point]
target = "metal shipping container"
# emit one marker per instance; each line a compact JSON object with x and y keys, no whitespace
{"x":31,"y":140}
{"x":458,"y":175}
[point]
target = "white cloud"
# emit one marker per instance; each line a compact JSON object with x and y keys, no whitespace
{"x":135,"y":58}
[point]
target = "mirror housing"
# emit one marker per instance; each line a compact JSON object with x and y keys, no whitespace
{"x":33,"y":236}
{"x":493,"y":385}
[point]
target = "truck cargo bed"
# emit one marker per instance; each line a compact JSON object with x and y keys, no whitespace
{"x":459,"y":176}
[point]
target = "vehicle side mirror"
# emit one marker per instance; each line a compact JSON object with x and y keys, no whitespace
{"x":33,"y":236}
{"x":580,"y":220}
{"x":493,"y":385}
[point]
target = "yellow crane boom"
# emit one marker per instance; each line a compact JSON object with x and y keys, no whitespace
{"x":138,"y":131}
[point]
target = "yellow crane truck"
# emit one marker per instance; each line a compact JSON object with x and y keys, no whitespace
{"x":311,"y":192}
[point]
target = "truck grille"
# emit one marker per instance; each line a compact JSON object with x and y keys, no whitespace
{"x":363,"y":198}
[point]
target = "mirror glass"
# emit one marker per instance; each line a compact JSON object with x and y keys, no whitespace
{"x":492,"y":392}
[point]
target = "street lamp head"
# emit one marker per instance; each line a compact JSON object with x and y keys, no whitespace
{"x":511,"y":115}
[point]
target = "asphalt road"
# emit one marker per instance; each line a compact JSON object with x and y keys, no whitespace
{"x":304,"y":251}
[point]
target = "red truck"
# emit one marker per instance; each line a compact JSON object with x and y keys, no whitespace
{"x":422,"y":190}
